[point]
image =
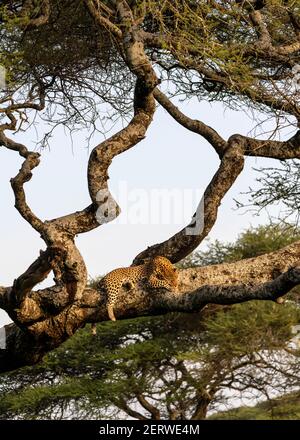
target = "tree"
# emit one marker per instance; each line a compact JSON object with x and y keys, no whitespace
{"x":283,"y":408}
{"x":279,"y":185}
{"x":168,"y":367}
{"x":68,"y":57}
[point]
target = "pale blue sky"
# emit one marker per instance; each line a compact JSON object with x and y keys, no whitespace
{"x":170,"y":157}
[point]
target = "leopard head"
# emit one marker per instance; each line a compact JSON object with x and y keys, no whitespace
{"x":163,"y":274}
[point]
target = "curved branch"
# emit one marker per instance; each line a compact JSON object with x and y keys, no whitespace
{"x":26,"y":307}
{"x":185,"y":241}
{"x":102,"y":155}
{"x":35,"y":274}
{"x":194,"y":125}
{"x":122,"y":404}
{"x":264,"y":38}
{"x":289,"y":149}
{"x":282,"y":150}
{"x":232,"y":152}
{"x":155,"y":413}
{"x":24,"y":175}
{"x":104,"y":208}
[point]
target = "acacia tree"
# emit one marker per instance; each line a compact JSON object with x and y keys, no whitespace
{"x":72,"y":55}
{"x":167,"y":367}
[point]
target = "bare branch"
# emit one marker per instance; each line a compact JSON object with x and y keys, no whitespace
{"x":121,"y":403}
{"x":155,"y":413}
{"x":264,"y":41}
{"x":35,"y":274}
{"x":104,"y":208}
{"x":101,"y":157}
{"x":185,"y":241}
{"x":289,"y":149}
{"x":24,"y":175}
{"x":196,"y":126}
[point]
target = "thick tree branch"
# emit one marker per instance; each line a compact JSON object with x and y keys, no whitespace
{"x":266,"y":277}
{"x":264,"y":39}
{"x":231,"y":152}
{"x":289,"y":149}
{"x":185,"y":241}
{"x":155,"y":413}
{"x":234,"y":294}
{"x":104,"y":208}
{"x":26,"y":307}
{"x":121,"y":403}
{"x":36,"y":273}
{"x":70,"y":272}
{"x":101,"y":157}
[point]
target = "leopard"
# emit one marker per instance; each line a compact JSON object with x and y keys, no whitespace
{"x":157,"y":272}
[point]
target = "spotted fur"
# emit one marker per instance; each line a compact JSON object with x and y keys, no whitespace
{"x":157,"y":273}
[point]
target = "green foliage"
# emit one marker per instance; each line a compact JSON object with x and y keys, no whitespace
{"x":278,"y":185}
{"x":282,"y":408}
{"x":89,"y":376}
{"x":247,"y":327}
{"x":250,"y":243}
